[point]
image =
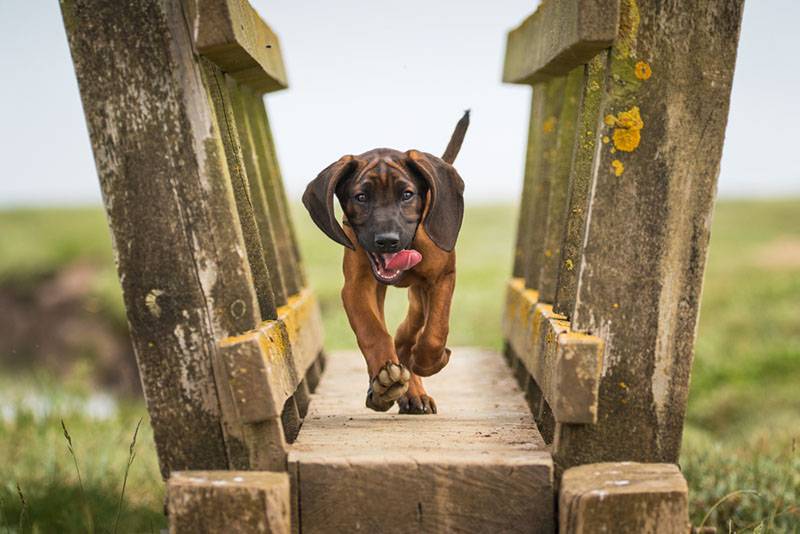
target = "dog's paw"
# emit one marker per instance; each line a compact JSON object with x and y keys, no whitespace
{"x":416,"y":404}
{"x":389,"y":384}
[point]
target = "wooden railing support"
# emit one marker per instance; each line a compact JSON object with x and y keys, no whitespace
{"x":629,"y":107}
{"x":223,"y":326}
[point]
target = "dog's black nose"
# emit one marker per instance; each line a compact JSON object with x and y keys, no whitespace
{"x":387,"y":242}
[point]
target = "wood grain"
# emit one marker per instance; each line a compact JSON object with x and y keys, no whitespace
{"x":480,"y":465}
{"x":244,"y":502}
{"x":559,"y":36}
{"x":624,"y":498}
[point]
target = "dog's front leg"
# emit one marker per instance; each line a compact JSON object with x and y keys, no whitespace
{"x":430,"y":354}
{"x":388,"y":377}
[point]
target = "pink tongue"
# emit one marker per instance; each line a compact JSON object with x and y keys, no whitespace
{"x":403,"y":260}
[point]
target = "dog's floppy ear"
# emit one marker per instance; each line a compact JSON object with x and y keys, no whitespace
{"x":446,"y":210}
{"x":318,"y":198}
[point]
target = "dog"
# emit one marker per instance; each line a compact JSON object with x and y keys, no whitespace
{"x":402,"y":215}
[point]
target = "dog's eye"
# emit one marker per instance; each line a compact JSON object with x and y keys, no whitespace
{"x":361,"y":197}
{"x":407,"y":195}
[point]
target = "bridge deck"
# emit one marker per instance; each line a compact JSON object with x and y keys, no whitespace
{"x":480,"y":465}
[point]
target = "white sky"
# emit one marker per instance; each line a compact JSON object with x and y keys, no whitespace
{"x":367,"y":73}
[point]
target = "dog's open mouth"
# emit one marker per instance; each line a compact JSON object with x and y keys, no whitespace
{"x":388,"y":268}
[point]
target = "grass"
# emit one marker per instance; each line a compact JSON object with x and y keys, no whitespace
{"x":36,"y":456}
{"x":743,"y":421}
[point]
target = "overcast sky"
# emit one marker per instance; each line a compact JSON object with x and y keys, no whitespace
{"x":368,"y":73}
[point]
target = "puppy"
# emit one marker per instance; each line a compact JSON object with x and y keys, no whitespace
{"x":402,"y":215}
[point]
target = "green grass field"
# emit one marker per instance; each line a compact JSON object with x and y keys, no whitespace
{"x":743,"y":421}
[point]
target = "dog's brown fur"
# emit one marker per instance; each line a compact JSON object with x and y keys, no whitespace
{"x":432,"y":219}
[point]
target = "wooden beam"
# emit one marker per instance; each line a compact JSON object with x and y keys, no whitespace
{"x":587,"y":143}
{"x":559,"y":36}
{"x":228,"y":501}
{"x":264,"y":367}
{"x":232,"y":34}
{"x":623,"y":497}
{"x":167,"y":191}
{"x":568,"y":370}
{"x":646,"y":235}
{"x":479,"y":465}
{"x":566,"y":365}
{"x":558,"y":200}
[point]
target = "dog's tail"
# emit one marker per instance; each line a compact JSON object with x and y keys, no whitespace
{"x":456,"y":139}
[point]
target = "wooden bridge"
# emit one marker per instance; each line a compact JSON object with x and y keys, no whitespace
{"x":257,"y":430}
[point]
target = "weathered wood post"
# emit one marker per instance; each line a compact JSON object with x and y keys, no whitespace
{"x":212,"y":281}
{"x":630,"y":102}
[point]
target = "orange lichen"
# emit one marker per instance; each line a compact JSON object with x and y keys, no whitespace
{"x":549,"y":125}
{"x":618,"y":167}
{"x":642,"y":70}
{"x":627,"y":129}
{"x":627,"y":139}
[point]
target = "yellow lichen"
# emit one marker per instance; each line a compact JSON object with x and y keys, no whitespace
{"x":606,"y":139}
{"x":618,"y":167}
{"x":629,"y":19}
{"x":569,"y":265}
{"x":549,"y":125}
{"x":627,"y":129}
{"x":642,"y":70}
{"x":627,"y":139}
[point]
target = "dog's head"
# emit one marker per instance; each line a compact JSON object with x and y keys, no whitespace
{"x":385,"y":194}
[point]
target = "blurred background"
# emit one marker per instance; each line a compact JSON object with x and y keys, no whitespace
{"x":367,"y":74}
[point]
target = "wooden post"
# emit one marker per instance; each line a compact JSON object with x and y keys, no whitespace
{"x":228,"y":501}
{"x":188,"y":250}
{"x":647,"y":231}
{"x":624,"y":498}
{"x":632,"y":229}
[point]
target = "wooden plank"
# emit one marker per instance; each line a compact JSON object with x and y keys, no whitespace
{"x":231,"y":34}
{"x":568,"y":371}
{"x":302,"y":397}
{"x":279,"y":206}
{"x":532,"y":155}
{"x":543,"y":161}
{"x":565,"y":365}
{"x":249,"y":142}
{"x":625,"y":498}
{"x":478,"y":466}
{"x":313,"y":375}
{"x":264,"y":367}
{"x":223,"y":110}
{"x":559,"y":184}
{"x":260,"y":372}
{"x":559,"y":36}
{"x":647,"y":232}
{"x":590,"y":121}
{"x":167,"y":194}
{"x":303,"y":322}
{"x":228,"y":501}
{"x":520,"y":303}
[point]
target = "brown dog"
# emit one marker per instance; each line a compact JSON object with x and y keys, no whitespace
{"x":385,"y":195}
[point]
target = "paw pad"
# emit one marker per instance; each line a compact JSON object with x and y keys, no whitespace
{"x":389,"y":384}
